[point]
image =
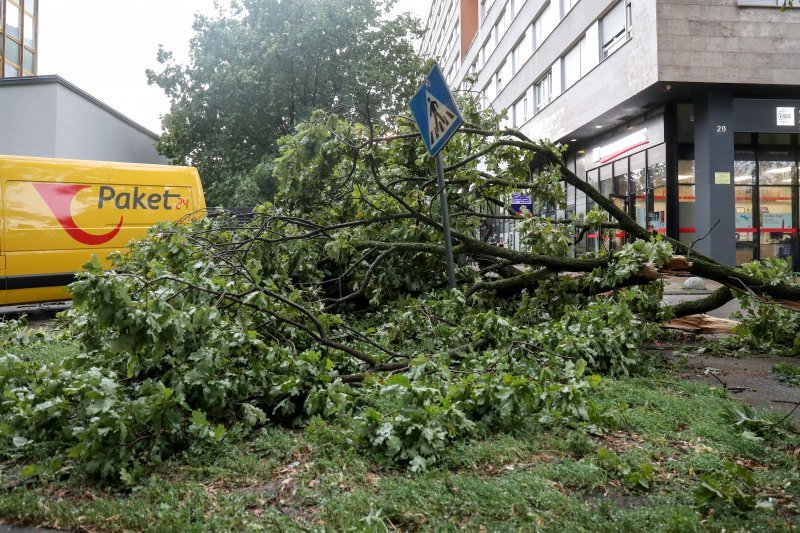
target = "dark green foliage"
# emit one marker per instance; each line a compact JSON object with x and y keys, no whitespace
{"x":261,"y":67}
{"x":331,"y":306}
{"x":728,"y":489}
{"x":787,"y":373}
{"x":635,"y":476}
{"x":764,"y":325}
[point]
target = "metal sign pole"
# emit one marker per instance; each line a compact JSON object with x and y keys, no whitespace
{"x":438,"y":118}
{"x":448,"y":242}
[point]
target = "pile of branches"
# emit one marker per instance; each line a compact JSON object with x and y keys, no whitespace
{"x":333,"y":303}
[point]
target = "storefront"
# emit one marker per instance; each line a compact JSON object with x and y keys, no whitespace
{"x":719,"y":173}
{"x":629,"y":166}
{"x":649,"y":166}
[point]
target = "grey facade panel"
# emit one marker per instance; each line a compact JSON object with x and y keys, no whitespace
{"x":49,"y":117}
{"x":27,"y":117}
{"x":86,"y":131}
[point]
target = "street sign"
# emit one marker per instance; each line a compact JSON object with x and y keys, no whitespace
{"x":520,"y":201}
{"x":438,"y":118}
{"x":435,"y":111}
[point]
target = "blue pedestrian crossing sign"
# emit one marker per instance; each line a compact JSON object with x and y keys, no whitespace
{"x":435,"y":111}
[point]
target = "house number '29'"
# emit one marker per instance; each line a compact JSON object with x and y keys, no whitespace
{"x":721,"y":129}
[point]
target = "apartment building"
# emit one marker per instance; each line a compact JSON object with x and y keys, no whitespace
{"x":685,"y":112}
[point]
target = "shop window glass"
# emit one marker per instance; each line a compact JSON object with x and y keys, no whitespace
{"x":657,"y":189}
{"x":744,"y":166}
{"x":570,"y":203}
{"x":745,"y":227}
{"x":620,"y":197}
{"x":12,"y":20}
{"x":776,"y":220}
{"x":606,"y":184}
{"x":621,"y":177}
{"x":580,"y":196}
{"x":638,"y":187}
{"x":776,"y":169}
{"x":776,"y":165}
{"x":29,"y":32}
{"x":744,"y":177}
{"x":592,"y":238}
{"x":686,"y":201}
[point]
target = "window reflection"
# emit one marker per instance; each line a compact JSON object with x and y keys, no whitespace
{"x":776,"y":169}
{"x":12,"y":20}
{"x":29,"y":31}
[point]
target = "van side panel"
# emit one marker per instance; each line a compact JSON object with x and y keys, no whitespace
{"x":56,"y":214}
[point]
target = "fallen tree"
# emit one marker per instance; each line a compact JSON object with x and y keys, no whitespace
{"x":333,"y":303}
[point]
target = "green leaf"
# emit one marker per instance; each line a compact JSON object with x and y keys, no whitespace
{"x":199,"y":419}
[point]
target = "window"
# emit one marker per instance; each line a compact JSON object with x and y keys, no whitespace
{"x":545,"y":23}
{"x":500,"y":26}
{"x":542,"y":90}
{"x":505,"y":72}
{"x":614,"y":28}
{"x":515,"y":60}
{"x":12,"y":20}
{"x":763,"y":3}
{"x":571,"y":66}
{"x":526,"y":45}
{"x":490,"y":91}
{"x":27,"y":61}
{"x":566,"y":6}
{"x":502,"y":76}
{"x":29,"y":31}
{"x":521,"y":111}
{"x":12,"y":50}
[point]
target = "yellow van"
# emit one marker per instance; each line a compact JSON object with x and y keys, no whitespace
{"x":56,"y":213}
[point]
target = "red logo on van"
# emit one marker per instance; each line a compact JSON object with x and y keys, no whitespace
{"x":58,"y":198}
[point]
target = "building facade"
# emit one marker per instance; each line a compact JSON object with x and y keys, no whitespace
{"x":19,"y":22}
{"x":46,"y":116}
{"x":686,"y":113}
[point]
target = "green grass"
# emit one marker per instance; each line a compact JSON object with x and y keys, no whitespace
{"x":535,"y":478}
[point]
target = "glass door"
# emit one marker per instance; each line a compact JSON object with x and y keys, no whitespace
{"x":744,"y":171}
{"x":776,"y":171}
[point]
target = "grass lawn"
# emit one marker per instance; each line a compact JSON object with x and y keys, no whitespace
{"x":640,"y":475}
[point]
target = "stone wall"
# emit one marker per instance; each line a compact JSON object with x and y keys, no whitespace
{"x":720,"y":42}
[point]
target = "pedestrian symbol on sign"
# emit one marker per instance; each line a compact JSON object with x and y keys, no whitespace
{"x":435,"y":112}
{"x":439,"y":118}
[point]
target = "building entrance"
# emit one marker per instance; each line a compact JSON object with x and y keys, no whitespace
{"x":766,"y":206}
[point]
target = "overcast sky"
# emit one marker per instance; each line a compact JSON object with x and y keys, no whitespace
{"x":105,"y":46}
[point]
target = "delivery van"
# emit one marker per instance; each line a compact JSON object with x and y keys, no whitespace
{"x":56,"y":213}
